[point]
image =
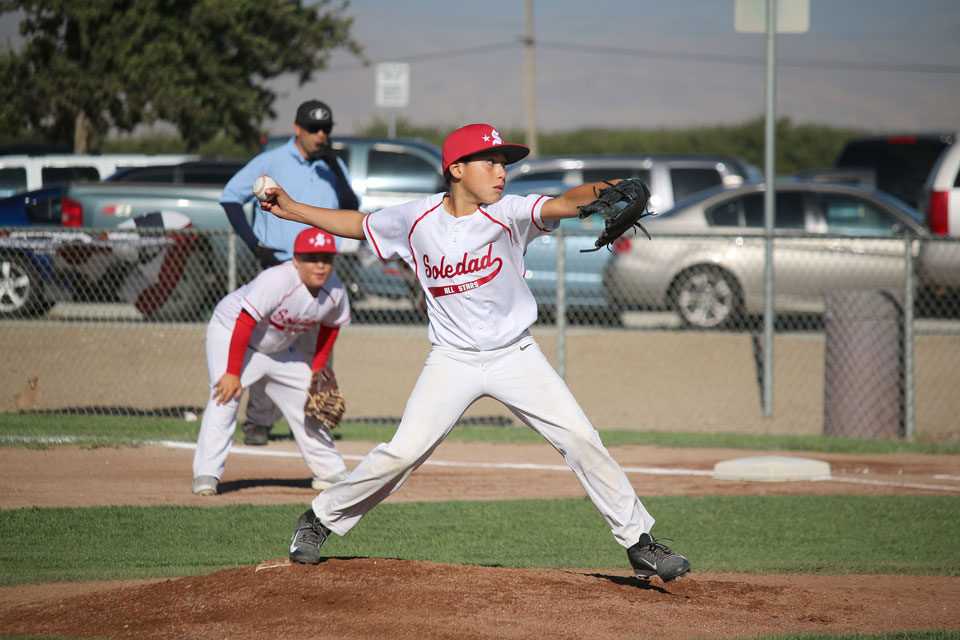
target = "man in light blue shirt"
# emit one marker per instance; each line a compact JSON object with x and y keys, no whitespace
{"x":311,"y":172}
{"x":311,"y":168}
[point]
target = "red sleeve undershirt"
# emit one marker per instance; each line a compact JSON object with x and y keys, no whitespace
{"x":325,"y":339}
{"x":240,"y":341}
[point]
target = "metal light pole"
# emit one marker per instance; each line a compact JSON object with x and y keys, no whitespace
{"x":769,"y":205}
{"x":770,"y":16}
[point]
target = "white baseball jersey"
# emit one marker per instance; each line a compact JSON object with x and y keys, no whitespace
{"x":283,"y":307}
{"x":471,"y":268}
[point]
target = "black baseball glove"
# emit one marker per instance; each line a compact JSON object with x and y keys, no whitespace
{"x":621,"y":205}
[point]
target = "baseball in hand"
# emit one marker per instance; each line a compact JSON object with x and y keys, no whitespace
{"x":261,"y":185}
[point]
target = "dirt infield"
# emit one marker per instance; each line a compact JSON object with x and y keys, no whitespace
{"x":349,"y":598}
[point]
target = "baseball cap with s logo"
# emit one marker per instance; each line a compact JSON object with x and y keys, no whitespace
{"x":475,"y":138}
{"x":314,"y":241}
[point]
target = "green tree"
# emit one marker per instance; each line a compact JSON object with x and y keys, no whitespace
{"x":202,"y":65}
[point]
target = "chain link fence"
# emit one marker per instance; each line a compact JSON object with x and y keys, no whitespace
{"x":661,"y":335}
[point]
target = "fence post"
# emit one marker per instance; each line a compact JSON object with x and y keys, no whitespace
{"x":908,"y":340}
{"x":561,"y":312}
{"x":231,"y":261}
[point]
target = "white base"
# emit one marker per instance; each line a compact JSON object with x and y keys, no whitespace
{"x":771,"y":469}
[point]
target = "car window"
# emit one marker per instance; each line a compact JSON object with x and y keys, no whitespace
{"x":726,"y":214}
{"x":539,"y":175}
{"x":789,"y":211}
{"x":146,"y":174}
{"x":687,"y":181}
{"x":45,"y":211}
{"x":401,"y":172}
{"x":53,"y":175}
{"x":846,"y":214}
{"x":598,"y":175}
{"x":208,"y":176}
{"x":12,"y":180}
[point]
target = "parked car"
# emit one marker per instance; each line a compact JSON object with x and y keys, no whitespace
{"x":940,"y":200}
{"x":714,"y":282}
{"x":385,"y":171}
{"x":72,"y":211}
{"x":19,"y":173}
{"x":670,"y":177}
{"x":149,"y":261}
{"x":583,"y":272}
{"x":206,"y":171}
{"x":906,"y":166}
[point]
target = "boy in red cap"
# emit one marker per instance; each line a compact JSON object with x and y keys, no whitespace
{"x":466,"y":248}
{"x":251,"y":337}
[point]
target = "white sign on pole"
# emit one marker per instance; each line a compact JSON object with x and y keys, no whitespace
{"x":393,"y":84}
{"x":750,"y":16}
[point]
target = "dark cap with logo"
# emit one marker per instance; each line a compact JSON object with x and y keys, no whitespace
{"x":313,"y":113}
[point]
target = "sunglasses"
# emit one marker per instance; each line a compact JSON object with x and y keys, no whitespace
{"x":313,"y":128}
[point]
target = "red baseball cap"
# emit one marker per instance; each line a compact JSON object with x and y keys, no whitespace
{"x":314,"y":241}
{"x":475,"y":138}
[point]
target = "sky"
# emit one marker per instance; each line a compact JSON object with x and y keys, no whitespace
{"x":880,"y":65}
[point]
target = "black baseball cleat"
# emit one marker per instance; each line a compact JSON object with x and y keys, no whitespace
{"x":649,"y":556}
{"x":309,"y":535}
{"x":255,"y":435}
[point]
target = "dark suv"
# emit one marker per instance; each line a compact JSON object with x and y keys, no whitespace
{"x":899,"y":164}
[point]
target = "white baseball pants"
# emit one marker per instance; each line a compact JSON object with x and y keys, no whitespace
{"x":518,"y":375}
{"x":286,"y":378}
{"x":260,"y":409}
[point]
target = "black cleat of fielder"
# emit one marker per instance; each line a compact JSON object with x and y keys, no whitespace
{"x":649,"y":556}
{"x":255,"y":435}
{"x":309,"y":535}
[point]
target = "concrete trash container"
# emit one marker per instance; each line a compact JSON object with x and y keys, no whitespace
{"x":863,"y":386}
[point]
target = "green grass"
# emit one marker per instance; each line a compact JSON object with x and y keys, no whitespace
{"x":915,"y":535}
{"x":44,"y":430}
{"x":912,"y":535}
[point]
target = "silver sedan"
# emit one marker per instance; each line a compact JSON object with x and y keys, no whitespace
{"x":706,"y":259}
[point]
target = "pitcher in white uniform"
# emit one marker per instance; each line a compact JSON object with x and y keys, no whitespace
{"x":251,"y":337}
{"x":466,"y":248}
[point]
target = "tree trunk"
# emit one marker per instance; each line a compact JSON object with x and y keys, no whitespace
{"x":80,"y":132}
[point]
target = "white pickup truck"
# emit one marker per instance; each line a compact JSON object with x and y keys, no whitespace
{"x":25,"y":172}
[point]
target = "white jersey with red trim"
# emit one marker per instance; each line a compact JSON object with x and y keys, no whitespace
{"x":471,"y":268}
{"x":283,"y":307}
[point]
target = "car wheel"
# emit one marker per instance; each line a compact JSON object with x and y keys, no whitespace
{"x":21,"y":290}
{"x":707,"y":298}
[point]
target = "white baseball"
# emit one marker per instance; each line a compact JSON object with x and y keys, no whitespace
{"x":261,"y":185}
